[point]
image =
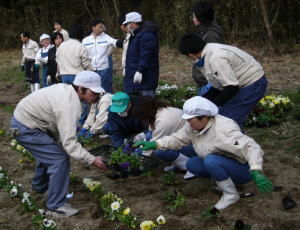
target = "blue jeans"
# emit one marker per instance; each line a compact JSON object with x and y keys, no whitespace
{"x":44,"y":77}
{"x":106,"y":79}
{"x":52,"y":169}
{"x":204,"y":89}
{"x":68,"y":78}
{"x":239,"y":107}
{"x":220,"y":168}
{"x":172,"y":155}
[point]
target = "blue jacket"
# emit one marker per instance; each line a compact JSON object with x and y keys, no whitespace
{"x":120,"y":128}
{"x":142,"y":56}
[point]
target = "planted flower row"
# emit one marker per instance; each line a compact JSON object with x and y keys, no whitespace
{"x":21,"y":150}
{"x":28,"y":204}
{"x":113,"y":208}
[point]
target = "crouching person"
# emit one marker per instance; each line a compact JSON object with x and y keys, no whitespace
{"x":224,"y":152}
{"x":45,"y":124}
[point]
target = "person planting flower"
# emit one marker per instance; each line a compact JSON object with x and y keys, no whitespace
{"x":224,"y":152}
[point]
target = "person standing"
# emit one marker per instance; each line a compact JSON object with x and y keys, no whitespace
{"x":238,"y":80}
{"x":58,"y":28}
{"x":56,"y":39}
{"x":71,"y":56}
{"x":210,"y":32}
{"x":142,"y":59}
{"x":124,"y":29}
{"x":29,"y":50}
{"x":98,"y":45}
{"x":45,"y":124}
{"x":41,"y":58}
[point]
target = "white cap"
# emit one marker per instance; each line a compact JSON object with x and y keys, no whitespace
{"x":44,"y":36}
{"x":198,"y":106}
{"x":89,"y":80}
{"x":132,"y":17}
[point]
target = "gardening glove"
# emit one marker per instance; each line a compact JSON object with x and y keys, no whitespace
{"x":147,"y":145}
{"x":137,"y":78}
{"x":48,"y":80}
{"x":82,"y":132}
{"x":22,"y":67}
{"x":262,"y":182}
{"x":36,"y":66}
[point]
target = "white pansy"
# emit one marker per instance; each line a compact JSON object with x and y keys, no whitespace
{"x":19,"y":147}
{"x":272,"y":105}
{"x":12,"y":182}
{"x":24,"y":151}
{"x":161,"y":219}
{"x":47,"y":223}
{"x":25,"y":194}
{"x":42,"y":212}
{"x":115,"y":206}
{"x":14,"y":191}
{"x":13,"y":142}
{"x":25,"y":200}
{"x":1,"y":176}
{"x":20,"y":185}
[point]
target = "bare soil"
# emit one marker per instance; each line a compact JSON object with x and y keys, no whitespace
{"x":144,"y":194}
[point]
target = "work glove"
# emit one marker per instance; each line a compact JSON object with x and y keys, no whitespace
{"x":137,"y":78}
{"x":123,"y":72}
{"x":82,"y":132}
{"x":22,"y":67}
{"x":262,"y":182}
{"x":36,"y":66}
{"x":48,"y":80}
{"x":147,"y":145}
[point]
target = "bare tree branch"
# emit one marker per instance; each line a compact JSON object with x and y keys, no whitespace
{"x":87,"y":9}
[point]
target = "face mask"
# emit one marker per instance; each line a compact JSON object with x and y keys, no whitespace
{"x":123,"y":114}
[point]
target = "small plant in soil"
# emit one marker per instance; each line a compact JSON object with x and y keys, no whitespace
{"x":174,"y":200}
{"x":169,"y":178}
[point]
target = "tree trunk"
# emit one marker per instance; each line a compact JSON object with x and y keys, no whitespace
{"x":262,"y":4}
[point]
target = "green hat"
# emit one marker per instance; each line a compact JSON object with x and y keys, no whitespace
{"x":120,"y":102}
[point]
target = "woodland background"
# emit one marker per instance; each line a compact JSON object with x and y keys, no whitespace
{"x":274,"y":24}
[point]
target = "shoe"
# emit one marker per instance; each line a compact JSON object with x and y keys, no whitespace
{"x":230,"y":194}
{"x":64,"y":211}
{"x":188,"y":175}
{"x":103,"y":136}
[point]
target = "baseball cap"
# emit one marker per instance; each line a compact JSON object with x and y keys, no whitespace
{"x":44,"y":36}
{"x":132,"y":17}
{"x":199,"y":106}
{"x":120,"y":102}
{"x":89,"y":80}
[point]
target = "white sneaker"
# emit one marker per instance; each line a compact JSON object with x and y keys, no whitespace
{"x":188,"y":175}
{"x":103,"y":136}
{"x":64,"y":211}
{"x":169,"y":168}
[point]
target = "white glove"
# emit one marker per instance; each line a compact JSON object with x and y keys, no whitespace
{"x":48,"y":80}
{"x":123,"y":73}
{"x":137,"y":77}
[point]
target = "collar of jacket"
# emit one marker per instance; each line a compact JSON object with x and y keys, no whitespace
{"x":200,"y":62}
{"x":209,"y":124}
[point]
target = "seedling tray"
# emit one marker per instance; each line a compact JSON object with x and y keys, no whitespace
{"x":105,"y":151}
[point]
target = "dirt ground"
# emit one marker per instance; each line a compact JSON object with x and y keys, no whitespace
{"x":144,"y":194}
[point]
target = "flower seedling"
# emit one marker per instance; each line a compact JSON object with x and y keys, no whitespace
{"x":174,"y":200}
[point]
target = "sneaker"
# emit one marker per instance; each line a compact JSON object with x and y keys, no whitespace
{"x":64,"y":211}
{"x":188,"y":175}
{"x":169,"y":168}
{"x":103,"y":136}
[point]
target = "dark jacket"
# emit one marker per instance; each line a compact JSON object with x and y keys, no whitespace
{"x":210,"y":33}
{"x":52,"y":65}
{"x":120,"y":128}
{"x":142,"y":55}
